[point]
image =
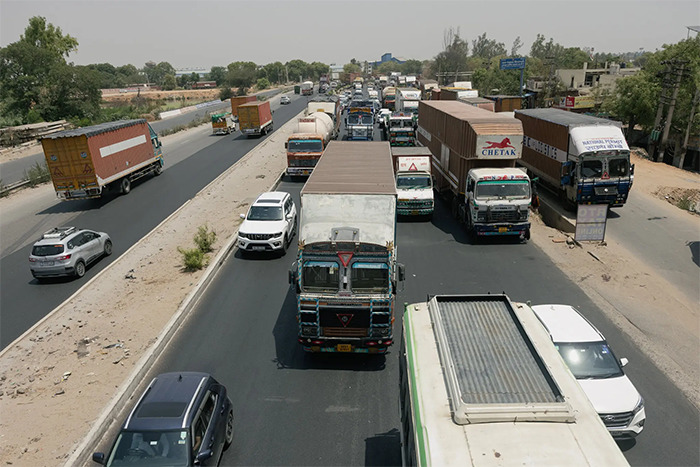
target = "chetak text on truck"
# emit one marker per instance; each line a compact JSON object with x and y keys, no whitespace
{"x":414,"y":184}
{"x":474,"y":154}
{"x":86,"y":162}
{"x":346,"y":271}
{"x":306,"y":144}
{"x":585,"y":159}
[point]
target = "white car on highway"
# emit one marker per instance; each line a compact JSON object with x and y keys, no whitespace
{"x":593,"y":364}
{"x":270,"y":224}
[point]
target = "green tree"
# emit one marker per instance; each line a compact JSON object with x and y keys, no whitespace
{"x":517,"y":45}
{"x":297,"y":69}
{"x":241,"y":74}
{"x":487,"y":48}
{"x":388,"y":67}
{"x":194,"y":77}
{"x":412,"y":67}
{"x":169,"y":82}
{"x":262,"y":83}
{"x":453,"y":58}
{"x":351,"y":68}
{"x":218,"y":74}
{"x":35,"y":78}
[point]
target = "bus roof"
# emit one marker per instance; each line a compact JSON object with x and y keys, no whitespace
{"x":489,"y":388}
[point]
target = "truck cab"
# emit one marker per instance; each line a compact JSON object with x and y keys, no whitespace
{"x":401,"y":130}
{"x":414,"y":183}
{"x":497,"y":202}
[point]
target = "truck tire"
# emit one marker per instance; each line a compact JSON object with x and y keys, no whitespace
{"x":157,"y":169}
{"x":125,"y":186}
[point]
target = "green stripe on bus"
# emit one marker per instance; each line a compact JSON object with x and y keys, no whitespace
{"x":421,"y":446}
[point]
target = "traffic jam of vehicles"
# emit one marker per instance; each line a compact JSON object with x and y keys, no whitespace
{"x":347,"y":270}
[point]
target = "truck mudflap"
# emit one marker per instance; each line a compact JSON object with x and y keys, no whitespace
{"x":368,"y":346}
{"x":522,"y":229}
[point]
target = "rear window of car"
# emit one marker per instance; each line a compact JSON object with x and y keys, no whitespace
{"x":47,"y":250}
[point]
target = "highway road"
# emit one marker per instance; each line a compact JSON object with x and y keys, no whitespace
{"x":294,"y":408}
{"x":14,"y":171}
{"x":127,"y":219}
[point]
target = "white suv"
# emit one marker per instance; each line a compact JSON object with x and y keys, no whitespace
{"x":270,"y":224}
{"x":596,"y":368}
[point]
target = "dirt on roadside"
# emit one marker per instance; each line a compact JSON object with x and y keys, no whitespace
{"x":66,"y":370}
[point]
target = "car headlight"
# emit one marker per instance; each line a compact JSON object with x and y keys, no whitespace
{"x":639,"y":406}
{"x":278,"y":234}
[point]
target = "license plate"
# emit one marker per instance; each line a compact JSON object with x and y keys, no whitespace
{"x":502,"y":229}
{"x":258,"y":248}
{"x":47,"y":263}
{"x":305,"y":172}
{"x":414,"y":213}
{"x":344,"y":348}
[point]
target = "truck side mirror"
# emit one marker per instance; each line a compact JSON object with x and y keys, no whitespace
{"x":402,"y":272}
{"x":632,"y":169}
{"x":285,"y":145}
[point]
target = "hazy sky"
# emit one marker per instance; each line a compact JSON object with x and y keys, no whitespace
{"x":203,"y":33}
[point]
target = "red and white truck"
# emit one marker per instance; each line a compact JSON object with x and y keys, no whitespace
{"x":85,"y":162}
{"x":305,"y":146}
{"x":414,"y":184}
{"x":474,"y":153}
{"x":255,"y":118}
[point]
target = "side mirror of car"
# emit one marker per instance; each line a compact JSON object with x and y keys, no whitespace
{"x":99,"y":457}
{"x":242,"y":216}
{"x":624,"y":361}
{"x":203,"y":455}
{"x":402,"y":272}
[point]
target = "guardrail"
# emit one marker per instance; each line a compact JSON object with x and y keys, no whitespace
{"x":6,"y":190}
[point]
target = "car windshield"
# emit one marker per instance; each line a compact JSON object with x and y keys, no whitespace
{"x":320,"y":276}
{"x":516,"y":189}
{"x":369,"y":277}
{"x":618,"y":167}
{"x":413,"y":181}
{"x":265,"y":213}
{"x":305,"y":145}
{"x":150,"y":448}
{"x":589,"y":360}
{"x":47,"y":250}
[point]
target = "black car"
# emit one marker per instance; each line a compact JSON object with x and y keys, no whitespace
{"x":181,"y":419}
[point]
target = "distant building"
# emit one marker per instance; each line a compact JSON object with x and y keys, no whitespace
{"x":387,"y":57}
{"x":336,"y":70}
{"x":584,"y":79}
{"x":188,"y":71}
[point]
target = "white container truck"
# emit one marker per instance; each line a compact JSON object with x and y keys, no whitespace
{"x":346,"y":272}
{"x":482,"y":385}
{"x":407,"y":100}
{"x":586,"y":159}
{"x":414,"y":184}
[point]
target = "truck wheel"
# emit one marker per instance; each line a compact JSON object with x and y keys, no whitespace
{"x":157,"y":169}
{"x":79,"y":269}
{"x":125,"y":186}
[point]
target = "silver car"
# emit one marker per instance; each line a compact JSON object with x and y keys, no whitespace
{"x":67,"y":251}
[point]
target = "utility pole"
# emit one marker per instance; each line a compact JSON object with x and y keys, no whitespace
{"x":684,"y":150}
{"x":659,"y":136}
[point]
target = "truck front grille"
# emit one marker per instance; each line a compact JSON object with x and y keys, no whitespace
{"x":609,"y":190}
{"x":415,"y":204}
{"x":344,"y":332}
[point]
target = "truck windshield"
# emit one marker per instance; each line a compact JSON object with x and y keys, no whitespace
{"x":305,"y":145}
{"x":618,"y":167}
{"x":355,"y":119}
{"x":404,"y":123}
{"x":591,"y":168}
{"x":369,"y":277}
{"x":413,"y":181}
{"x":589,"y":360}
{"x":501,"y":189}
{"x":265,"y":213}
{"x":320,"y":276}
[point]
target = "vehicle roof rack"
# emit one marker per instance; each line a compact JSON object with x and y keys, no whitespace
{"x":59,"y":232}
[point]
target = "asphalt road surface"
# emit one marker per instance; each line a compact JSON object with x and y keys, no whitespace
{"x":293,"y":408}
{"x":126,"y":219}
